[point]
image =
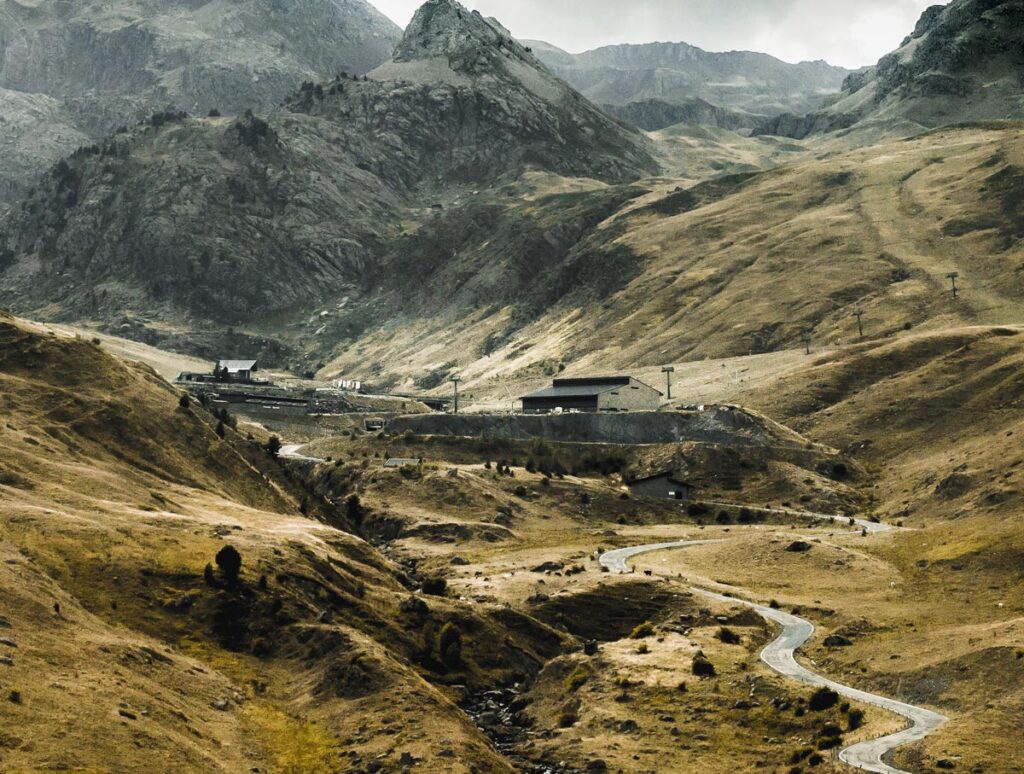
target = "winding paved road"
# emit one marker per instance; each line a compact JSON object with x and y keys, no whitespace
{"x":780,"y":655}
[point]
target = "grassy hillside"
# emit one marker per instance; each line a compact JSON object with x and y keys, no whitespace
{"x":740,"y":265}
{"x":115,"y":499}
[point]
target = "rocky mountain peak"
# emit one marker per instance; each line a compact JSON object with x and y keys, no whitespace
{"x":472,"y":44}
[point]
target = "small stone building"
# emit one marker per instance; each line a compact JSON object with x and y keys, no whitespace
{"x":598,"y":394}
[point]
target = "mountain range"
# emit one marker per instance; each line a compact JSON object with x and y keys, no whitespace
{"x":962,"y":62}
{"x":678,"y":73}
{"x":462,"y":191}
{"x":130,"y":225}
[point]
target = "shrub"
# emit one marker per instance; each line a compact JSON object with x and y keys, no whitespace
{"x":576,"y":680}
{"x":854,"y":720}
{"x":646,"y":629}
{"x":567,"y":718}
{"x":723,"y":518}
{"x":702,"y":667}
{"x":800,"y":755}
{"x":697,"y":509}
{"x":220,"y":428}
{"x":728,"y":636}
{"x":642,"y":648}
{"x":829,"y":742}
{"x":230,"y":563}
{"x":183,"y":401}
{"x":823,"y":699}
{"x":14,"y":697}
{"x":449,"y":645}
{"x":435,"y":587}
{"x":354,"y":509}
{"x":273,"y":446}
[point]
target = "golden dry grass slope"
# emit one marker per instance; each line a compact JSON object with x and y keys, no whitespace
{"x":734,"y":266}
{"x":117,"y":655}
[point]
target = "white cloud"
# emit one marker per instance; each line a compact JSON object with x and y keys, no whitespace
{"x":844,"y":32}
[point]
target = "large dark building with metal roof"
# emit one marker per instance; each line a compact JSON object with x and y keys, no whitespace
{"x":593,"y":395}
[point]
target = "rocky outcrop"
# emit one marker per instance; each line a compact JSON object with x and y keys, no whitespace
{"x":678,"y":72}
{"x":235,"y":220}
{"x":111,"y":64}
{"x":34,"y":130}
{"x":963,"y":62}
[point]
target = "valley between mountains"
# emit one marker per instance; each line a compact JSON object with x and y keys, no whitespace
{"x":435,"y":400}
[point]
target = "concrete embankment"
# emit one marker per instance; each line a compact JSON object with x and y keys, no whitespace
{"x":716,"y":424}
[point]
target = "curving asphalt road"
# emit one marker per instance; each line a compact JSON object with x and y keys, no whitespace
{"x":780,"y":655}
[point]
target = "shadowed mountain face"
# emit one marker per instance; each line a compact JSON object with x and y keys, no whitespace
{"x":235,"y":220}
{"x":108,"y":64}
{"x":963,"y":62}
{"x":654,"y":114}
{"x":677,"y":73}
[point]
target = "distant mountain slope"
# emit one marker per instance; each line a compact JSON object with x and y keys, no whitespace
{"x":112,"y":63}
{"x":963,"y":62}
{"x":239,"y":220}
{"x":678,"y":72}
{"x":654,"y":114}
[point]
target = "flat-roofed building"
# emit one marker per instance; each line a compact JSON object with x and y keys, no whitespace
{"x":596,"y":394}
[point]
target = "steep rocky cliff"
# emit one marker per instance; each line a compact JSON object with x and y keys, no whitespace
{"x":963,"y":62}
{"x":678,"y":72}
{"x":110,"y":64}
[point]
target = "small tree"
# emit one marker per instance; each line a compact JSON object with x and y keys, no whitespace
{"x":183,"y":401}
{"x":273,"y":446}
{"x":230,"y":563}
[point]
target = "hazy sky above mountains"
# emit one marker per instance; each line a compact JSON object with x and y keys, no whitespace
{"x":851,"y":33}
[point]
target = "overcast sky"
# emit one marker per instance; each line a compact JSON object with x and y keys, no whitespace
{"x":844,"y":32}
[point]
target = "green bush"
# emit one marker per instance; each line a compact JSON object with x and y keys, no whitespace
{"x":728,"y":636}
{"x":576,"y":679}
{"x":449,"y":645}
{"x":646,"y":629}
{"x":823,"y":699}
{"x":702,"y":667}
{"x":435,"y":587}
